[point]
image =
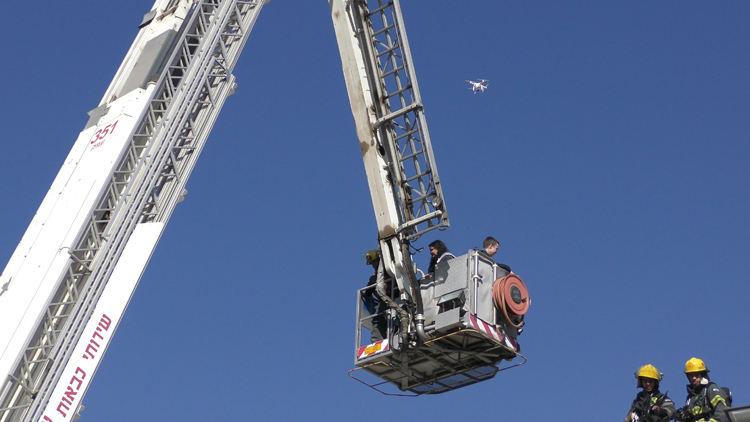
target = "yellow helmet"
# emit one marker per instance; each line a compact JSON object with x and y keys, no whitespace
{"x":649,"y":371}
{"x":370,"y":256}
{"x":695,"y":365}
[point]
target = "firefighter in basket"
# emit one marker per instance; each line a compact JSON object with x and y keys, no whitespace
{"x":650,"y":405}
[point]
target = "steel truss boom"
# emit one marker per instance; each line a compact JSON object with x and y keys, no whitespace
{"x":389,"y":116}
{"x":181,"y":102}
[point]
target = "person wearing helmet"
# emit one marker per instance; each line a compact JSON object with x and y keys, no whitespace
{"x":650,"y":405}
{"x":373,"y":303}
{"x":705,"y":400}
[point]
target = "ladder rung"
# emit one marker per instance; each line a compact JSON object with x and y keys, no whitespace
{"x":395,"y":114}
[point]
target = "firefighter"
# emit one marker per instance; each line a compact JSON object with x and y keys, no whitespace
{"x":373,"y":302}
{"x":705,"y":400}
{"x":650,"y":405}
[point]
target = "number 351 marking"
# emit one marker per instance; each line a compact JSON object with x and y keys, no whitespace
{"x":102,"y":133}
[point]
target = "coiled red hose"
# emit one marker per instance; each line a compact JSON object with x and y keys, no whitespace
{"x":511,"y":297}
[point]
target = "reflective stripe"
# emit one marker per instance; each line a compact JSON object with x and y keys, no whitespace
{"x":716,"y":401}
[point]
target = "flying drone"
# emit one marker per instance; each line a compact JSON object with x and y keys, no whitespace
{"x":479,"y":86}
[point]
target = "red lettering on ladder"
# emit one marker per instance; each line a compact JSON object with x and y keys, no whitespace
{"x":62,"y":405}
{"x":93,"y":347}
{"x":70,"y":394}
{"x":89,"y":352}
{"x":76,"y":382}
{"x":105,"y":321}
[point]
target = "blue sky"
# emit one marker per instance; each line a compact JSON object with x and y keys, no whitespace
{"x":609,"y":156}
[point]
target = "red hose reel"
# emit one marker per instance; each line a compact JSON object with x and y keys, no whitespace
{"x":511,"y":297}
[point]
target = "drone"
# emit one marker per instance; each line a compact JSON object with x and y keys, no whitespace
{"x":478,"y":86}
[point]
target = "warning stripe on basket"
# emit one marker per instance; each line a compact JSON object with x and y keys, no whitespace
{"x":372,"y":349}
{"x":491,"y":331}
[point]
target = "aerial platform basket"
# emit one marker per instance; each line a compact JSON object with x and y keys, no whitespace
{"x":471,"y":338}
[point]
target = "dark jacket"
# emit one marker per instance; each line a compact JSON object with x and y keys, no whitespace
{"x":438,"y":259}
{"x":643,"y":403}
{"x":388,"y":283}
{"x":706,"y":402}
{"x":484,"y":252}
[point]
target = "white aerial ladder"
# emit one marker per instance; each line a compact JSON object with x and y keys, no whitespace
{"x":76,"y":267}
{"x":67,"y":285}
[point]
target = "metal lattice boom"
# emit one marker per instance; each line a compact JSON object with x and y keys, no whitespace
{"x":401,"y":127}
{"x":145,"y":186}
